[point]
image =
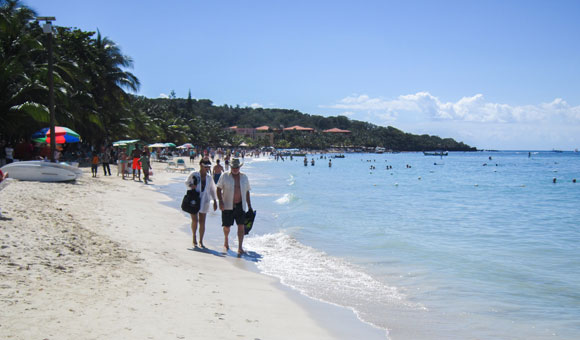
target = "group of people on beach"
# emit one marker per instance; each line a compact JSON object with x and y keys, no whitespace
{"x":140,"y":161}
{"x":228,"y":190}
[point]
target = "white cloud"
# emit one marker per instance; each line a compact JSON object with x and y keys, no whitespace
{"x":473,"y":120}
{"x":469,"y":109}
{"x":256,"y":106}
{"x":163,"y":95}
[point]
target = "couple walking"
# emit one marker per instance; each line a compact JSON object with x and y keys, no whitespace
{"x":233,"y":193}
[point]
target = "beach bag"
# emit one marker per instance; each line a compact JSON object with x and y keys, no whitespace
{"x":250,"y":216}
{"x":191,"y":202}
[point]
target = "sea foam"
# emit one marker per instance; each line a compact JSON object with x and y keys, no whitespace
{"x":322,"y":277}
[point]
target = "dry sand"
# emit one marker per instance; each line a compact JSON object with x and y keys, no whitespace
{"x":102,"y":259}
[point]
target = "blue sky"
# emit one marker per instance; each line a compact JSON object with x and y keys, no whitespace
{"x":493,"y":74}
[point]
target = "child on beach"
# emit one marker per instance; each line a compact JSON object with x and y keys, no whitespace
{"x":95,"y":165}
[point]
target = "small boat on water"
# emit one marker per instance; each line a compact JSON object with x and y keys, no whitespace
{"x":379,"y":149}
{"x":42,"y":171}
{"x":435,"y":153}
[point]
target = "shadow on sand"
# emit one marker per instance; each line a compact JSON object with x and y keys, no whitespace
{"x":250,"y":256}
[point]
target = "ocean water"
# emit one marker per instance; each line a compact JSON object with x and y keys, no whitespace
{"x":458,"y":247}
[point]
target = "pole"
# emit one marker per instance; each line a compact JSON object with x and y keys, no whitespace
{"x":47,"y":29}
{"x":51,"y":100}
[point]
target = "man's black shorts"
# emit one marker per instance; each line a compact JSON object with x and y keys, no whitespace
{"x":238,"y":214}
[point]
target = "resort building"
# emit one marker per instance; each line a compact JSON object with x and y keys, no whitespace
{"x":266,"y":131}
{"x":337,"y":130}
{"x":257,"y":133}
{"x":299,"y":128}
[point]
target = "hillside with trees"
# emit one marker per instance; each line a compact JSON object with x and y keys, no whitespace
{"x":92,"y":96}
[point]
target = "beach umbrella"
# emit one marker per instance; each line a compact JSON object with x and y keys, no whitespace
{"x":125,"y":142}
{"x":169,"y":144}
{"x":157,"y":145}
{"x":186,"y":146}
{"x":63,"y":135}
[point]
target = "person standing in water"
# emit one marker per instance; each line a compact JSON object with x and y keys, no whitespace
{"x":233,"y":192}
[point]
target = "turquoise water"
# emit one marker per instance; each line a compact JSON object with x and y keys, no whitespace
{"x":452,"y":250}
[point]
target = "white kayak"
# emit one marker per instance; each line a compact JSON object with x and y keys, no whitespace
{"x":42,"y":171}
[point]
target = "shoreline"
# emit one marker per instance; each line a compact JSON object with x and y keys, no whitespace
{"x":104,"y":258}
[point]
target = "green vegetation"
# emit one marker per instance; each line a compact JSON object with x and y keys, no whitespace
{"x":91,"y":81}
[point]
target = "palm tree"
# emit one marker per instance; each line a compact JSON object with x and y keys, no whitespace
{"x":109,"y":79}
{"x":21,"y":77}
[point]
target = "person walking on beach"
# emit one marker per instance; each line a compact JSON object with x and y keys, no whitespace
{"x":218,"y":169}
{"x":233,"y":192}
{"x":136,"y":154}
{"x":202,"y":182}
{"x":95,"y":164}
{"x":122,"y":162}
{"x":227,"y":161}
{"x":106,"y":159}
{"x":145,"y":165}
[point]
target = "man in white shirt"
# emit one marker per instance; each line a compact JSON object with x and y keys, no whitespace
{"x":233,"y":192}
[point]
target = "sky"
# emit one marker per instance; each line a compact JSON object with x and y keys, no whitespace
{"x":501,"y":75}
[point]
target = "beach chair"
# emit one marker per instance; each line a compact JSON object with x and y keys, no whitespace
{"x":171,"y":167}
{"x":181,"y":165}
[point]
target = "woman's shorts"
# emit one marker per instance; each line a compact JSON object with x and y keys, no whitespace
{"x":238,"y":214}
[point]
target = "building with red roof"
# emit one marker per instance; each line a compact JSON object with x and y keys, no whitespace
{"x":337,"y":130}
{"x":299,"y":128}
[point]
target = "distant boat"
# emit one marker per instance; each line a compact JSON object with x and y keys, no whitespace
{"x":42,"y":171}
{"x":435,"y":153}
{"x":379,"y":149}
{"x":558,"y":151}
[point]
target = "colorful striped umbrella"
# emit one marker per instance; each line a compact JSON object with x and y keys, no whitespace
{"x":63,"y":135}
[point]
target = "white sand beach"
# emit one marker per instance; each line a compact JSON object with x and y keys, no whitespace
{"x":103,"y":259}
